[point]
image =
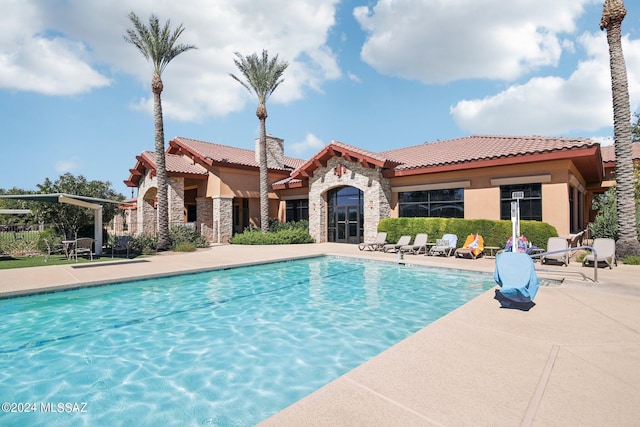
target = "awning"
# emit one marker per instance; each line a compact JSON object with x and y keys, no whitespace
{"x":82,"y":201}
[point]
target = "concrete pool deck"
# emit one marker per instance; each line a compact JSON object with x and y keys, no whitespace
{"x":574,"y":359}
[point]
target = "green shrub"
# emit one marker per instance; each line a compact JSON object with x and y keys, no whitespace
{"x":632,"y":260}
{"x":144,"y":244}
{"x":180,"y":234}
{"x":289,"y":233}
{"x":495,"y":233}
{"x":184,"y":247}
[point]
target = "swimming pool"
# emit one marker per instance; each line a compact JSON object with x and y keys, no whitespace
{"x":226,"y":348}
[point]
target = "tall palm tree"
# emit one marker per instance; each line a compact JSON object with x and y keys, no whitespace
{"x":261,"y":76}
{"x":612,"y":15}
{"x":158,"y":44}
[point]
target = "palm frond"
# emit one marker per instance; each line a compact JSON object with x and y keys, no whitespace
{"x":157,"y":43}
{"x":261,"y":74}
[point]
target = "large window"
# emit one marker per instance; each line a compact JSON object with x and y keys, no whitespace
{"x":297,"y":210}
{"x":436,"y":203}
{"x":530,"y":204}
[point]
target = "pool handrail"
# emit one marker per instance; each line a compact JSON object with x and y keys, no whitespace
{"x":591,"y":248}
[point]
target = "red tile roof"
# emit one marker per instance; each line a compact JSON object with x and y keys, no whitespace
{"x":609,"y":152}
{"x":216,"y":153}
{"x":474,"y":148}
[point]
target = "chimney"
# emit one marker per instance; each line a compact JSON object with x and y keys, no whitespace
{"x":275,"y":152}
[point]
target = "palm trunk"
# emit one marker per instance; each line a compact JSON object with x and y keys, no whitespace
{"x":625,"y":192}
{"x":161,"y":169}
{"x":264,"y":171}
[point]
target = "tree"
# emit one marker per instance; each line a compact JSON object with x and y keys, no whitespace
{"x":159,"y":46}
{"x":69,"y":219}
{"x":612,"y":15}
{"x":261,"y":76}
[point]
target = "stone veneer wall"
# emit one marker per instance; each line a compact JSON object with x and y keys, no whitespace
{"x":204,"y":215}
{"x":376,"y":191}
{"x":147,"y":216}
{"x":275,"y":152}
{"x":176,"y":201}
{"x":222,"y":219}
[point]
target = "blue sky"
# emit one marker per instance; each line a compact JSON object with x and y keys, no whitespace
{"x":75,"y":97}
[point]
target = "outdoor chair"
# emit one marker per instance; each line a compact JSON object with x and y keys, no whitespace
{"x":83,"y":246}
{"x":556,"y":244}
{"x":605,"y":250}
{"x":376,"y":245}
{"x":52,"y":250}
{"x":121,"y":243}
{"x":419,"y":245}
{"x":393,"y":247}
{"x":472,"y":248}
{"x":445,"y":246}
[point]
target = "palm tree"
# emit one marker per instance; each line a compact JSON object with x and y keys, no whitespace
{"x":261,"y":76}
{"x":613,"y":13}
{"x":159,"y":46}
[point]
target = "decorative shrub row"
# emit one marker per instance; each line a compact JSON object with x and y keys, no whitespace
{"x":288,"y":233}
{"x":495,"y":233}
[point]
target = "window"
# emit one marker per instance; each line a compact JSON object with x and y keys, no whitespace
{"x":432,"y":203}
{"x":297,"y":210}
{"x":530,"y":204}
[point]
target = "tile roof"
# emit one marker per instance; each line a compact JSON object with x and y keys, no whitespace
{"x":475,"y":147}
{"x":609,"y":152}
{"x":176,"y":164}
{"x":225,"y":154}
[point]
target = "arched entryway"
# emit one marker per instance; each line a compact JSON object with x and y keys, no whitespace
{"x":345,"y":215}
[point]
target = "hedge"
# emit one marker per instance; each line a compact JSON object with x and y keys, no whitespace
{"x":495,"y":233}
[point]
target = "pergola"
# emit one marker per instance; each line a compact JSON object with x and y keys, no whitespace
{"x":82,"y":201}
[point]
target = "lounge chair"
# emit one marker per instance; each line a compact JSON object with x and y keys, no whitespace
{"x":393,"y":247}
{"x":121,"y":243}
{"x":472,"y":248}
{"x":556,"y":244}
{"x":445,"y":246}
{"x":376,"y":245}
{"x":516,"y":275}
{"x":83,"y":246}
{"x":419,"y":245}
{"x":605,"y":250}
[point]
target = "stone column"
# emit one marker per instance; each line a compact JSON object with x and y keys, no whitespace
{"x":222,"y":219}
{"x":204,"y":217}
{"x":176,"y":201}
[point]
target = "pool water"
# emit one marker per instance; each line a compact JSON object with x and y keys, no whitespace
{"x":223,"y":348}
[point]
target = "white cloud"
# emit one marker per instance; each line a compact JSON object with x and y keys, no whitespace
{"x":554,"y":105}
{"x":64,"y":166}
{"x":89,"y":35}
{"x":34,"y":58}
{"x":308,"y":146}
{"x":436,"y":41}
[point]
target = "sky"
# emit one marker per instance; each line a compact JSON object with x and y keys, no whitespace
{"x":75,"y":96}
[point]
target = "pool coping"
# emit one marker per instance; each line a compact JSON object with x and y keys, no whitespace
{"x":571,"y":360}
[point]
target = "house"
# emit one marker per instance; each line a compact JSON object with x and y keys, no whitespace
{"x":344,"y":190}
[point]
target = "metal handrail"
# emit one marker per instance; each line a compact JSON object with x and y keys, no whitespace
{"x":591,"y":248}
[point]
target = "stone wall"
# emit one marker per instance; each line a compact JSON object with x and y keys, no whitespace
{"x":175,"y":193}
{"x":204,"y":215}
{"x":376,"y":191}
{"x":275,"y":152}
{"x":222,"y":219}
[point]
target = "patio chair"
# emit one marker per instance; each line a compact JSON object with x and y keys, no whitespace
{"x":419,"y":245}
{"x":445,"y":246}
{"x":556,"y":244}
{"x":516,"y":275}
{"x":605,"y":250}
{"x":83,"y":246}
{"x":472,"y":248}
{"x":121,"y":243}
{"x":393,"y":247}
{"x":376,"y":245}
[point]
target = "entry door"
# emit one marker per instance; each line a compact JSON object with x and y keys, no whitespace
{"x":348,"y":224}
